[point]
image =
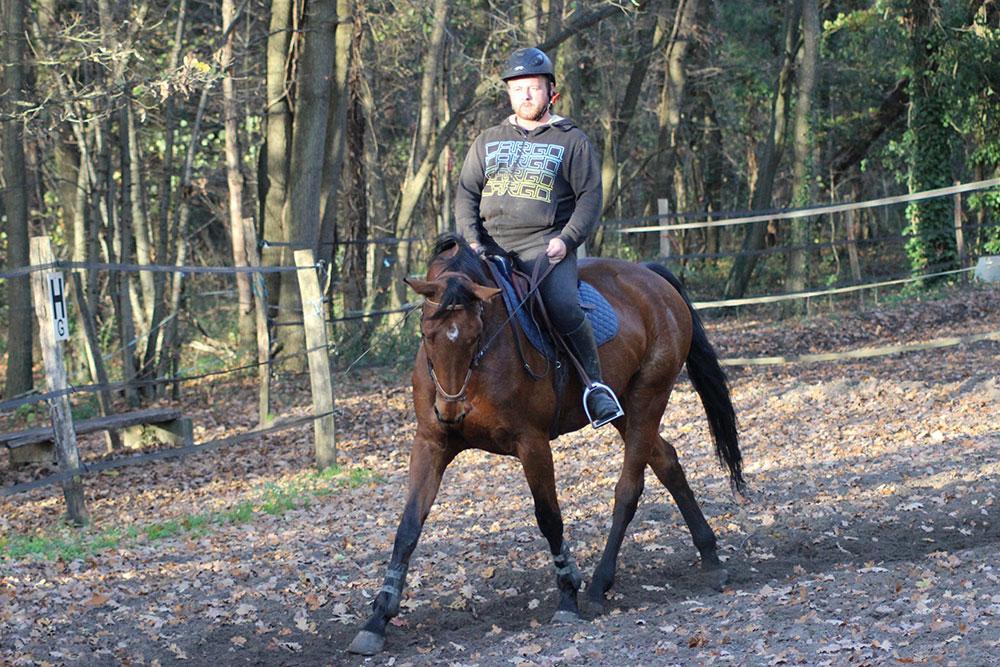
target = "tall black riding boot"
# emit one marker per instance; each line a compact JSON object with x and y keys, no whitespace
{"x":599,"y":402}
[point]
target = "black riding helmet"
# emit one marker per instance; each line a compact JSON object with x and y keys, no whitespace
{"x":528,"y":62}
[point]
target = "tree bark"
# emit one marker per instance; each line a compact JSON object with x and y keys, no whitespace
{"x":355,"y":267}
{"x":15,"y":196}
{"x":804,"y":169}
{"x":127,"y":300}
{"x":529,"y":21}
{"x":277,"y":142}
{"x":673,"y":91}
{"x":302,"y":229}
{"x":646,"y":38}
{"x":140,"y":220}
{"x":774,"y":145}
{"x":234,"y":180}
{"x":154,"y":346}
{"x":335,"y":131}
{"x":893,"y":107}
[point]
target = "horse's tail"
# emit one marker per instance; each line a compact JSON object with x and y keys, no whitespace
{"x":710,"y":382}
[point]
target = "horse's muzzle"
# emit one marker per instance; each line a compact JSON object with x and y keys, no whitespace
{"x":453,"y":414}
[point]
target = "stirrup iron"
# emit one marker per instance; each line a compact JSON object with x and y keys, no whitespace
{"x":600,"y":386}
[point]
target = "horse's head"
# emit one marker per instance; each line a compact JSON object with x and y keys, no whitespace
{"x":452,"y":324}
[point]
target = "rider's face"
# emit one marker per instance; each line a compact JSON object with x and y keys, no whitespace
{"x":529,"y":97}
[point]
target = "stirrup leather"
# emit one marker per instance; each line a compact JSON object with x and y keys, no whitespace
{"x":600,"y":386}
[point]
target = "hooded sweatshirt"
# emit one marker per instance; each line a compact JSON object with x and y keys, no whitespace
{"x":520,"y":188}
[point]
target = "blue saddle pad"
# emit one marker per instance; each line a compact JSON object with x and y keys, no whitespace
{"x":602,"y":316}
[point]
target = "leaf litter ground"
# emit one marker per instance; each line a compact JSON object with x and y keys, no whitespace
{"x":871,"y":537}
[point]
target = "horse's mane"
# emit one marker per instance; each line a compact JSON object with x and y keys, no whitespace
{"x":454,"y":254}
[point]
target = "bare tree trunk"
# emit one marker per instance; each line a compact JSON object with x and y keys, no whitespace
{"x":646,"y":40}
{"x":15,"y":196}
{"x":356,"y":252}
{"x":154,"y":346}
{"x":529,"y":21}
{"x":804,"y":144}
{"x":140,"y":221}
{"x":672,"y":95}
{"x":127,"y":299}
{"x":421,"y":163}
{"x":381,"y":256}
{"x":277,"y":142}
{"x":302,"y":228}
{"x":739,"y":276}
{"x":335,"y":130}
{"x":234,"y":180}
{"x":432,"y":68}
{"x":170,"y":352}
{"x":712,"y":164}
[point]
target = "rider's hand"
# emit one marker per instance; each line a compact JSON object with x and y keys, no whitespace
{"x":480,"y":250}
{"x":556,"y":251}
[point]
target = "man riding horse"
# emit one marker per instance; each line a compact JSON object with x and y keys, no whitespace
{"x":530,"y":189}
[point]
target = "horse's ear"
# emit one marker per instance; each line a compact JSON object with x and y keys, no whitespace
{"x":484,"y":293}
{"x":422,"y":287}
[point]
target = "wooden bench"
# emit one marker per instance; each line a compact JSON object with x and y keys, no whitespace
{"x":165,"y":425}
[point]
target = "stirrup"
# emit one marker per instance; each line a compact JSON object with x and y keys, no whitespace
{"x":598,"y":423}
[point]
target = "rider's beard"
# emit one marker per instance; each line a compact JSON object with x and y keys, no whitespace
{"x":531,"y":111}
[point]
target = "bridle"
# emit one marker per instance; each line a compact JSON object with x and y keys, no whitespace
{"x":461,"y":394}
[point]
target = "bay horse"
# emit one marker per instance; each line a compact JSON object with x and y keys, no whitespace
{"x":470,"y":390}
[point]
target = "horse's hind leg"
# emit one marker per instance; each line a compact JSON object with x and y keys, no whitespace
{"x":536,"y":459}
{"x":627,"y":491}
{"x":668,"y":470}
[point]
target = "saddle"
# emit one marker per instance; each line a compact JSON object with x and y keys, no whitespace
{"x":515,"y":287}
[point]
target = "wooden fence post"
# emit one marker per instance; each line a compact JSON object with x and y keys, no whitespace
{"x":259,"y":288}
{"x":959,"y":235}
{"x":319,"y":359}
{"x":55,"y":376}
{"x":852,"y":246}
{"x":95,"y":360}
{"x":663,"y":210}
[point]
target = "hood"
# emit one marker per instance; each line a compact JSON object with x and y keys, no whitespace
{"x":556,"y":122}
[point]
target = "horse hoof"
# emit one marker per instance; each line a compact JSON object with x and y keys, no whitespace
{"x":367,"y":642}
{"x":593,"y":606}
{"x":716,"y":577}
{"x":563,"y":616}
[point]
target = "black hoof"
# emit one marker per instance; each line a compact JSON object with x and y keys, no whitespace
{"x":367,"y":642}
{"x":715,"y":576}
{"x":593,"y":606}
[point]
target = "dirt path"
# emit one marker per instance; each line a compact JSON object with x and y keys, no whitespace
{"x":871,"y":538}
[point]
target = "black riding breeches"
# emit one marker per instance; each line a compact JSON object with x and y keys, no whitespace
{"x":559,"y":291}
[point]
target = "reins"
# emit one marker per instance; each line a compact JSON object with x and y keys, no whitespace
{"x":533,"y":285}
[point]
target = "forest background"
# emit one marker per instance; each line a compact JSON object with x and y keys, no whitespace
{"x":147,"y":132}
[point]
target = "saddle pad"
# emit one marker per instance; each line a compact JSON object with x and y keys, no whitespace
{"x":597,"y":309}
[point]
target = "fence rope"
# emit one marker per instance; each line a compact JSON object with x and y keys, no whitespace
{"x":862,"y":352}
{"x":824,"y":209}
{"x":727,"y":303}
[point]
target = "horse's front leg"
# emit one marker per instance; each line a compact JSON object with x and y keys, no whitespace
{"x":536,"y":459}
{"x":428,"y":459}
